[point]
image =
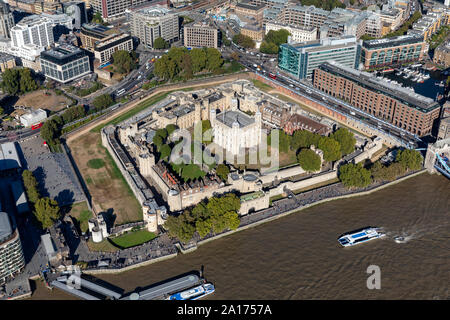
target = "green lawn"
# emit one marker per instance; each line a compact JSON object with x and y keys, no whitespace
{"x":96,"y":163}
{"x":104,"y":246}
{"x":132,"y":239}
{"x":261,"y":85}
{"x":81,"y":212}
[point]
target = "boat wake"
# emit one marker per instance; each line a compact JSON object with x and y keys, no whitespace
{"x":406,"y":234}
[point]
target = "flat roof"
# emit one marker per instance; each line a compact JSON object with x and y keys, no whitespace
{"x":369,"y":81}
{"x":63,"y":54}
{"x":392,"y":42}
{"x":9,"y":159}
{"x":5,"y":226}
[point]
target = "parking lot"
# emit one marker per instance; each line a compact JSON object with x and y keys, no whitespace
{"x":52,"y":171}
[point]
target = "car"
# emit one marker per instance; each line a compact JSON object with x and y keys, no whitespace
{"x":308,"y":91}
{"x":291,"y":85}
{"x":297,"y":88}
{"x":323,"y":98}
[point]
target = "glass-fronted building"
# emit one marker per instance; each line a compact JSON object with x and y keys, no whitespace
{"x":65,"y":63}
{"x":300,"y":59}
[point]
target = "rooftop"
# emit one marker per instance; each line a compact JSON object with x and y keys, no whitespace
{"x":63,"y":54}
{"x":397,"y":92}
{"x":229,"y":118}
{"x":392,"y":42}
{"x":9,"y":159}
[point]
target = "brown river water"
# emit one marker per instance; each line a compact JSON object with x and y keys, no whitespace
{"x":298,"y":256}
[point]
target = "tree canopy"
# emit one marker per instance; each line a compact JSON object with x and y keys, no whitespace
{"x":244,"y":41}
{"x":46,"y":212}
{"x":123,"y":61}
{"x":18,"y":81}
{"x":273,"y":40}
{"x":354,"y":175}
{"x":409,"y":159}
{"x":331,"y":148}
{"x":309,"y":160}
{"x":346,"y":139}
{"x":222,"y":171}
{"x":211,"y":215}
{"x":103,"y":101}
{"x":160,"y":43}
{"x":31,"y":186}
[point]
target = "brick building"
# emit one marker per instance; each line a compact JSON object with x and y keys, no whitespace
{"x":392,"y":103}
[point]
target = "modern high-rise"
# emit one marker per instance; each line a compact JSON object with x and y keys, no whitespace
{"x":299,"y":60}
{"x":6,"y":20}
{"x":198,"y":35}
{"x":387,"y":101}
{"x":32,"y":30}
{"x":105,"y":48}
{"x":150,"y":23}
{"x":12,"y":260}
{"x":65,"y":63}
{"x":396,"y":50}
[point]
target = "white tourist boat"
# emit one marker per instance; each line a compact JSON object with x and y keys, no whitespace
{"x":360,"y":236}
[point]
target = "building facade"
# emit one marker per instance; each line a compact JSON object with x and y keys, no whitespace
{"x":12,"y":260}
{"x":105,"y":48}
{"x":7,"y":61}
{"x":150,"y":23}
{"x":110,"y":9}
{"x":65,"y":63}
{"x":395,"y":50}
{"x":32,"y":30}
{"x":299,"y":60}
{"x":442,"y":54}
{"x":234,"y":130}
{"x":6,"y":20}
{"x":384,"y":100}
{"x":200,"y":35}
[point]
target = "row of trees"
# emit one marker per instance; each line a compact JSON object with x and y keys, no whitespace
{"x":211,"y":215}
{"x":244,"y":41}
{"x":18,"y":81}
{"x":404,"y":28}
{"x":355,"y":175}
{"x":45,"y":210}
{"x":51,"y":129}
{"x":185,"y":63}
{"x":273,"y":40}
{"x":324,"y":4}
{"x":338,"y":144}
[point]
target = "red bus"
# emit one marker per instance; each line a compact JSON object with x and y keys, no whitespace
{"x":273,"y":76}
{"x":36,"y":126}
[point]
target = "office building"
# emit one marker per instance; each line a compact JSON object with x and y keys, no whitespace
{"x":389,"y":102}
{"x":65,"y":63}
{"x":150,"y":23}
{"x":248,"y":10}
{"x":254,"y":31}
{"x":395,"y":50}
{"x":298,"y":34}
{"x":12,"y":260}
{"x":32,"y":30}
{"x":105,"y":48}
{"x":90,"y":33}
{"x":6,"y":20}
{"x":300,"y":59}
{"x":198,"y":35}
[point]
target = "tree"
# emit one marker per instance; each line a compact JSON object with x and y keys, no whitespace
{"x":331,"y":149}
{"x":50,"y":132}
{"x":18,"y":81}
{"x":198,"y":57}
{"x":222,"y":171}
{"x":213,"y":59}
{"x":346,"y":139}
{"x":46,"y":212}
{"x":268,"y":47}
{"x":180,"y":228}
{"x":170,"y":128}
{"x":123,"y":61}
{"x":409,"y":159}
{"x":232,"y":220}
{"x":309,"y":160}
{"x":160,"y":43}
{"x":244,"y":41}
{"x":354,"y":175}
{"x":157,"y":141}
{"x":203,"y":227}
{"x":31,"y":186}
{"x":277,"y":37}
{"x":97,"y":18}
{"x":103,"y":101}
{"x":186,"y":67}
{"x":304,"y":139}
{"x":165,"y":151}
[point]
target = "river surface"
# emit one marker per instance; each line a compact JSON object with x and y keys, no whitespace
{"x":298,"y":256}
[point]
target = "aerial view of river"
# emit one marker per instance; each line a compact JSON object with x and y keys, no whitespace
{"x":298,"y":256}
